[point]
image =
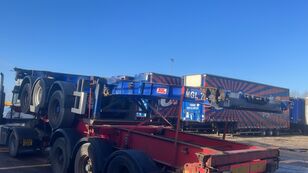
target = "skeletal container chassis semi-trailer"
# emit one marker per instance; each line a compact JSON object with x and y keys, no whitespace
{"x":103,"y":134}
{"x":263,"y":115}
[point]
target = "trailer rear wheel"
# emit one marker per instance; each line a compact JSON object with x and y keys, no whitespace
{"x":59,"y":156}
{"x":59,"y":112}
{"x":25,"y":98}
{"x":277,"y":133}
{"x":269,"y":132}
{"x":13,"y":145}
{"x":131,"y":161}
{"x":263,"y":133}
{"x":91,"y":156}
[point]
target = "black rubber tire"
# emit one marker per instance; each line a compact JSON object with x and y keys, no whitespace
{"x":269,"y":132}
{"x":59,"y":156}
{"x":13,"y":145}
{"x":59,"y":110}
{"x":276,"y":133}
{"x":39,"y":94}
{"x":71,"y":137}
{"x":16,"y":138}
{"x":123,"y":164}
{"x":25,"y":98}
{"x":131,"y":161}
{"x":92,"y":156}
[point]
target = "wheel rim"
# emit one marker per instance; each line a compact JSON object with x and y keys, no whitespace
{"x":86,"y":165}
{"x":270,"y":133}
{"x":57,"y":108}
{"x":38,"y":94}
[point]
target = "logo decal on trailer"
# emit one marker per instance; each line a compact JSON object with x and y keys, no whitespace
{"x":161,"y":90}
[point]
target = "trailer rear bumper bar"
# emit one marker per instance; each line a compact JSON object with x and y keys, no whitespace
{"x":256,"y":166}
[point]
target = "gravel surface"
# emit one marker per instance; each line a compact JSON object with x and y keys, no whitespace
{"x":293,"y":150}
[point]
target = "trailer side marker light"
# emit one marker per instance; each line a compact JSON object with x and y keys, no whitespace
{"x":27,"y":142}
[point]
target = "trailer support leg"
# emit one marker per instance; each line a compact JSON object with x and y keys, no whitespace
{"x":225,"y":131}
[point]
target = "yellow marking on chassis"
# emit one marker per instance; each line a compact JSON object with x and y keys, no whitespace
{"x":27,"y":142}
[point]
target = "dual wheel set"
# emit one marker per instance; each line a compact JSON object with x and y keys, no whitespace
{"x":69,"y":153}
{"x":23,"y":139}
{"x":41,"y":96}
{"x":98,"y":156}
{"x":270,"y":133}
{"x":44,"y":96}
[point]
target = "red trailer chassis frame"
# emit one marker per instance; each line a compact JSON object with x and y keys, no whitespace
{"x":183,"y":152}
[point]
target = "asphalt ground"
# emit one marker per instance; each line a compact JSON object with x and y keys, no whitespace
{"x":26,"y":163}
{"x":293,"y":155}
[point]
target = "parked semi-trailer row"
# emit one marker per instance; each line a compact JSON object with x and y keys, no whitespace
{"x":121,"y":124}
{"x":299,"y":114}
{"x":259,"y":106}
{"x":248,"y":106}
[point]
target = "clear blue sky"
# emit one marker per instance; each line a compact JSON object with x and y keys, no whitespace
{"x":259,"y":40}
